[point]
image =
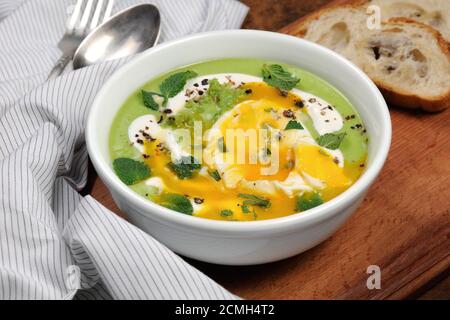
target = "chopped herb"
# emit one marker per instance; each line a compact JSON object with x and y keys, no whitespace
{"x":173,"y":85}
{"x":306,"y":202}
{"x":331,"y":140}
{"x":131,"y":171}
{"x":218,"y":99}
{"x":269,"y":109}
{"x":149,"y":100}
{"x":221,"y":145}
{"x":253,"y":200}
{"x":215,"y":175}
{"x":185,"y":167}
{"x":245,"y":208}
{"x":293,"y":125}
{"x":177,"y":202}
{"x":226,"y":213}
{"x":275,"y":76}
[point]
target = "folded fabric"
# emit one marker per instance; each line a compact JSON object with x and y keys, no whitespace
{"x":55,"y":244}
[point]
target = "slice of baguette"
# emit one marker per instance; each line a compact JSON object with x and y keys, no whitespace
{"x":435,"y":13}
{"x":409,"y":61}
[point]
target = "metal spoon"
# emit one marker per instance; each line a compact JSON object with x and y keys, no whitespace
{"x":128,"y":32}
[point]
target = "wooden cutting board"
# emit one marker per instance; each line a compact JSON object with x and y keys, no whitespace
{"x":403,"y":225}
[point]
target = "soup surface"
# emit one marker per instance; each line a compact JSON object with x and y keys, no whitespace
{"x":239,"y":140}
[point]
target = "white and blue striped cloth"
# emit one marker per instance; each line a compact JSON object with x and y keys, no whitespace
{"x":54,"y":243}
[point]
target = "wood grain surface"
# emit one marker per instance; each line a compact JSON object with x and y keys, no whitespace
{"x":402,"y":226}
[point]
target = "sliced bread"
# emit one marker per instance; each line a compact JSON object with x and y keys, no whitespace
{"x":435,"y":13}
{"x":409,"y":61}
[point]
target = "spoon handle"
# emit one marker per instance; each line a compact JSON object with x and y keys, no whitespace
{"x":59,"y":66}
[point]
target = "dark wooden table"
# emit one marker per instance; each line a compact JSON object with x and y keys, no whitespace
{"x":402,"y":225}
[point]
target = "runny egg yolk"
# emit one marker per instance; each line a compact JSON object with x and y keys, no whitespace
{"x":250,"y":117}
{"x":317,"y":163}
{"x":262,"y":108}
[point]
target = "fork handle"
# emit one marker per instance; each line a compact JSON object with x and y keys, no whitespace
{"x":59,"y":66}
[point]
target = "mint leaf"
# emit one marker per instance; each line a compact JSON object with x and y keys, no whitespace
{"x":171,"y":86}
{"x":275,"y":76}
{"x":306,"y":202}
{"x":226,"y":213}
{"x":185,"y":167}
{"x":177,"y":202}
{"x":149,"y":101}
{"x":252,"y":200}
{"x":215,"y":175}
{"x":130,"y":171}
{"x":331,"y":141}
{"x":293,"y":125}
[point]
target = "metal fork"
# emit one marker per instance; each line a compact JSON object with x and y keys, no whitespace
{"x":85,"y":17}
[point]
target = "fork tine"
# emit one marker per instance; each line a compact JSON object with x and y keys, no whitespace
{"x":96,"y":16}
{"x":108,"y":10}
{"x":86,"y":15}
{"x":75,"y":15}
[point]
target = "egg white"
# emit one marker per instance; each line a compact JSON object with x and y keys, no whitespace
{"x":148,"y":124}
{"x":325,"y":120}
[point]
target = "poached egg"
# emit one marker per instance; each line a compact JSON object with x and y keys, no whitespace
{"x":281,"y":163}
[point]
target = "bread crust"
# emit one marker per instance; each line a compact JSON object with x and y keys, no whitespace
{"x":395,"y":96}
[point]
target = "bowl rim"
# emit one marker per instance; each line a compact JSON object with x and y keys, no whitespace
{"x":286,"y":223}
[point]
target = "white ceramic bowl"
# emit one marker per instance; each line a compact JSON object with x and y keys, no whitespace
{"x":227,"y":242}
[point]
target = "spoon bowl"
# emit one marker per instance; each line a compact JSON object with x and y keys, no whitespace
{"x":130,"y":31}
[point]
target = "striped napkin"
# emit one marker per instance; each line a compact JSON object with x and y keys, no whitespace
{"x":54,"y":243}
